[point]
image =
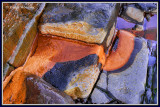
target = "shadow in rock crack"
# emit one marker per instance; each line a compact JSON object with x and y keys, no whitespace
{"x":111,"y":96}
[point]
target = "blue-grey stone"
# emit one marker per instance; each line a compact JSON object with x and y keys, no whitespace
{"x":76,"y":78}
{"x":129,"y":84}
{"x":98,"y":96}
{"x":146,"y":7}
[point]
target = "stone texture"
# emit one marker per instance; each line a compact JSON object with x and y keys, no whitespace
{"x":132,"y":14}
{"x":135,"y":12}
{"x":25,"y":88}
{"x":40,"y":92}
{"x":102,"y":82}
{"x":146,"y":7}
{"x":150,"y":95}
{"x":15,"y":18}
{"x":76,"y":78}
{"x":20,"y":31}
{"x":7,"y":69}
{"x":88,"y":22}
{"x":128,"y":84}
{"x":98,"y":96}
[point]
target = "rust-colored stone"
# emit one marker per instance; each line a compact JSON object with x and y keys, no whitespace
{"x":14,"y":21}
{"x":120,"y":57}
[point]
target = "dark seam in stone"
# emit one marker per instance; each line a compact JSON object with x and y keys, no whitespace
{"x":11,"y":65}
{"x":137,"y":48}
{"x":50,"y":35}
{"x":129,"y":19}
{"x":113,"y":19}
{"x":89,"y":97}
{"x":109,"y":94}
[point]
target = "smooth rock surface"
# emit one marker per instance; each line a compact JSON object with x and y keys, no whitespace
{"x":88,"y":22}
{"x":76,"y":78}
{"x":100,"y":97}
{"x":128,"y":84}
{"x":40,"y":92}
{"x":132,"y":14}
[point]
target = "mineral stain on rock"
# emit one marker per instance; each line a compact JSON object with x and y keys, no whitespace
{"x":72,"y":63}
{"x":121,"y":55}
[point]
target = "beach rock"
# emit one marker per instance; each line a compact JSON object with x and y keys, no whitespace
{"x":14,"y":24}
{"x":25,"y":88}
{"x":98,"y":96}
{"x":132,"y":14}
{"x":19,"y":31}
{"x":127,"y":84}
{"x":147,"y":7}
{"x":7,"y":70}
{"x":76,"y":78}
{"x":88,"y":22}
{"x":41,"y":92}
{"x":135,"y":12}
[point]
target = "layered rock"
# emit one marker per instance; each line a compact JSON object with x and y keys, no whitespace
{"x":20,"y":31}
{"x":88,"y":22}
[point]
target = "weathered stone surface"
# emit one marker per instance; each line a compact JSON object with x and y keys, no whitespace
{"x":14,"y":23}
{"x":88,"y":22}
{"x":102,"y":82}
{"x":40,"y":92}
{"x":98,"y":96}
{"x":155,"y":83}
{"x":22,"y":87}
{"x":136,"y":12}
{"x":146,"y":7}
{"x":7,"y":69}
{"x":6,"y":8}
{"x":20,"y":31}
{"x":128,"y":84}
{"x":76,"y":78}
{"x":132,"y":14}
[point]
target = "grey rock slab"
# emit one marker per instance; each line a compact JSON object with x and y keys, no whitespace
{"x":128,"y":85}
{"x":100,"y":97}
{"x":102,"y":82}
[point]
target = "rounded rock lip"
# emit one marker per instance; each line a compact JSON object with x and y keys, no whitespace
{"x":120,"y":57}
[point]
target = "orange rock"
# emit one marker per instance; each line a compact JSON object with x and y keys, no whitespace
{"x":122,"y":54}
{"x":54,"y":49}
{"x":50,"y":50}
